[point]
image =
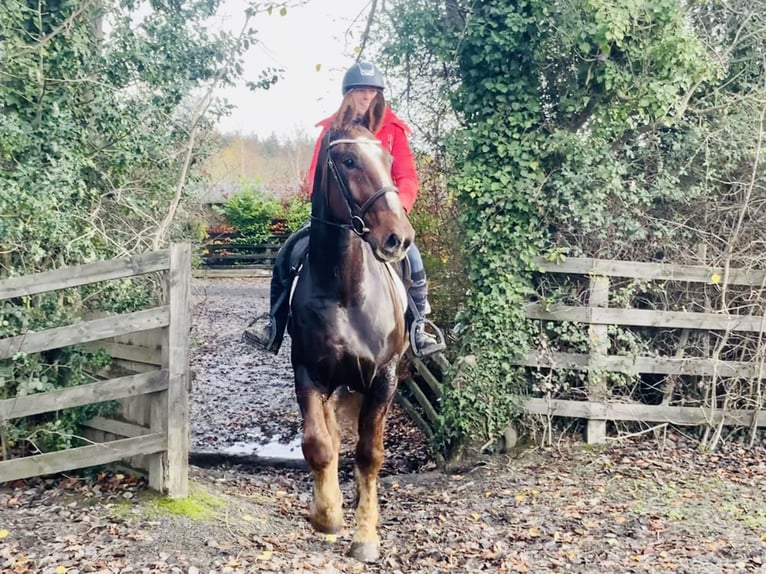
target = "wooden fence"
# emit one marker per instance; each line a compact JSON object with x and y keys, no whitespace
{"x":600,"y":405}
{"x":162,"y":381}
{"x":227,"y":251}
{"x":419,"y":393}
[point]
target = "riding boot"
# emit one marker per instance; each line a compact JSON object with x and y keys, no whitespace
{"x":423,"y":342}
{"x":267,"y":331}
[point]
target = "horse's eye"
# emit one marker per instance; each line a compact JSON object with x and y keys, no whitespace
{"x":349,"y":162}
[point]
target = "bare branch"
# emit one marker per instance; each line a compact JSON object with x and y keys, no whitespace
{"x":368,"y":26}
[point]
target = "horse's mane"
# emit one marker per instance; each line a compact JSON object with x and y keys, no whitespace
{"x":320,"y":173}
{"x":372,"y":119}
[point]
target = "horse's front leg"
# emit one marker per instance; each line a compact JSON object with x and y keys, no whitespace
{"x":321,"y":449}
{"x":365,"y":545}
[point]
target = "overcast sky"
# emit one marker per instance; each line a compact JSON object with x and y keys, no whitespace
{"x":307,"y":36}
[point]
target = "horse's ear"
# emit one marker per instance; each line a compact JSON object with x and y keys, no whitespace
{"x":376,"y":112}
{"x":345,"y":114}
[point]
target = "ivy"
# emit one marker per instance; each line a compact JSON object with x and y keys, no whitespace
{"x":98,"y":112}
{"x":574,"y":132}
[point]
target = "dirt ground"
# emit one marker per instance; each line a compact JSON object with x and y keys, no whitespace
{"x":644,"y":505}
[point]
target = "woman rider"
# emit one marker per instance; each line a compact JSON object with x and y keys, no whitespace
{"x":363,"y":83}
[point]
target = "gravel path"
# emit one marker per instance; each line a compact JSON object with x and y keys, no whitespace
{"x":242,"y":400}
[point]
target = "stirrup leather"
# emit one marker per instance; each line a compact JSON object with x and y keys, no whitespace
{"x":440,"y":344}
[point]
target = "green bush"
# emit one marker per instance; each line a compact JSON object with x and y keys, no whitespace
{"x":571,"y":137}
{"x":96,"y":134}
{"x":297,"y":210}
{"x":438,"y":236}
{"x":251,"y":212}
{"x":257,"y":215}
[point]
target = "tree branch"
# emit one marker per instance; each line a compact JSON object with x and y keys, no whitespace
{"x":367,"y":27}
{"x":199,"y":112}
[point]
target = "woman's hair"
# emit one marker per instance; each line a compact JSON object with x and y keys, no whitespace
{"x":372,"y":119}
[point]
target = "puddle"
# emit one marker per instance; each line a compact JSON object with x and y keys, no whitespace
{"x":275,"y":449}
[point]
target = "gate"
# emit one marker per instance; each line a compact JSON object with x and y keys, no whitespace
{"x":164,"y":380}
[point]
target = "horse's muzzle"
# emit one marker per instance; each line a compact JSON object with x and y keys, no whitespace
{"x":393,"y":249}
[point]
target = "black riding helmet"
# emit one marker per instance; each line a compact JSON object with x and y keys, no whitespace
{"x":362,"y":74}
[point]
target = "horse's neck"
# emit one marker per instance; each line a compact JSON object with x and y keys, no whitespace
{"x":338,"y":260}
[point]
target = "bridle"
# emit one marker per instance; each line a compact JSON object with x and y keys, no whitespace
{"x":356,"y":212}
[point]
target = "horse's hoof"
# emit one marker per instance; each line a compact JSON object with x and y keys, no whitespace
{"x":327,"y":519}
{"x":324,"y":527}
{"x":365,"y":551}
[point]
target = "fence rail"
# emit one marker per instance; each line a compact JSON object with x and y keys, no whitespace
{"x":164,"y":438}
{"x":598,"y":316}
{"x":223,"y":256}
{"x":225,"y":251}
{"x":600,"y":407}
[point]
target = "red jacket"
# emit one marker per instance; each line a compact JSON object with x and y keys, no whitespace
{"x":393,"y":135}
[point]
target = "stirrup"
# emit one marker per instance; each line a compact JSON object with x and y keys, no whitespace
{"x":439,"y":345}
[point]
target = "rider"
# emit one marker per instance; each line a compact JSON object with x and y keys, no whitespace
{"x":365,"y":82}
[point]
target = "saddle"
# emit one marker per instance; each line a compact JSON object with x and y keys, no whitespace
{"x":292,"y":254}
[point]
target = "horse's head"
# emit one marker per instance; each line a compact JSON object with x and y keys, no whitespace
{"x":359,"y":192}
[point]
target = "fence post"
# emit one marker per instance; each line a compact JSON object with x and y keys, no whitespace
{"x":599,"y":348}
{"x":177,"y":345}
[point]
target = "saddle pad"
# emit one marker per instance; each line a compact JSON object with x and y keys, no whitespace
{"x":400,"y":289}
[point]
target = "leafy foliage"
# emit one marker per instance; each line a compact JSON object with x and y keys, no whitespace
{"x":586,"y":127}
{"x":296,"y":210}
{"x":256,"y":213}
{"x":251,"y":212}
{"x":102,"y":133}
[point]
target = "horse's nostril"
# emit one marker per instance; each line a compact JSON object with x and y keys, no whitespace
{"x":393,"y":242}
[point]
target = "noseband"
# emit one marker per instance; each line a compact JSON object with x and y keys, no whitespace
{"x":356,"y":212}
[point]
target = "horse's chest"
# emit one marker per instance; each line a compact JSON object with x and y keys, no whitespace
{"x":362,"y":330}
{"x":364,"y":321}
{"x":361,"y":326}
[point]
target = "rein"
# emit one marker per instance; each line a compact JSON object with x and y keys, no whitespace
{"x":356,"y":212}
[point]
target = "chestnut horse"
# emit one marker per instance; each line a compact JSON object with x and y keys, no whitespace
{"x":348,"y":320}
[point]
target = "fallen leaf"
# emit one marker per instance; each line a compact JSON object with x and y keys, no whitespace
{"x":3,"y":533}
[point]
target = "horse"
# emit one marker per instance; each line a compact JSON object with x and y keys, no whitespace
{"x":347,"y":323}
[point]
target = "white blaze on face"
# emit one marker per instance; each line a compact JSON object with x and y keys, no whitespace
{"x":375,"y":157}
